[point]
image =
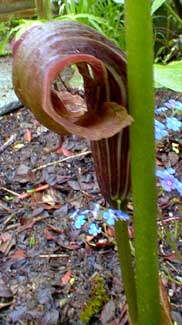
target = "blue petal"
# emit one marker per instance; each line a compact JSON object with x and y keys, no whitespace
{"x":178,"y":186}
{"x":94,"y":229}
{"x":179,"y":106}
{"x":172,"y":123}
{"x":160,"y":173}
{"x":170,"y":170}
{"x":161,"y":110}
{"x":80,"y":221}
{"x":159,"y":134}
{"x":160,"y":125}
{"x":163,"y":173}
{"x":122,"y":215}
{"x":171,"y":103}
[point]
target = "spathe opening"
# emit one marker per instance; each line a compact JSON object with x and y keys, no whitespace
{"x":68,"y":97}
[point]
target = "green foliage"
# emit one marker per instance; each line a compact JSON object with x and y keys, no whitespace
{"x":97,"y":299}
{"x":107,"y":17}
{"x":104,"y":16}
{"x":169,"y":75}
{"x":156,"y":4}
{"x":14,"y":28}
{"x":167,"y":26}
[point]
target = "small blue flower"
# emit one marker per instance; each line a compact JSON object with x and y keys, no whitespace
{"x":160,"y":110}
{"x":172,"y":123}
{"x":80,"y":221}
{"x":178,"y":186}
{"x":94,"y":229}
{"x":109,"y":217}
{"x":168,"y":183}
{"x":171,"y":104}
{"x":160,"y":131}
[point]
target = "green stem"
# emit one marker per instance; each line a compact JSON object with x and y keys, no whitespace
{"x":125,"y":258}
{"x":173,"y":13}
{"x":141,"y":106}
{"x":43,"y":9}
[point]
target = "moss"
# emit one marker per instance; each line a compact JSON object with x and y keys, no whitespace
{"x":97,"y":298}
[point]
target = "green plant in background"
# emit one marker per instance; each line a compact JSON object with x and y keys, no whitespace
{"x":104,"y":16}
{"x":13,"y":29}
{"x":107,"y":17}
{"x":167,"y":31}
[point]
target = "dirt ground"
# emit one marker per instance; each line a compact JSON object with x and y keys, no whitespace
{"x":49,"y":270}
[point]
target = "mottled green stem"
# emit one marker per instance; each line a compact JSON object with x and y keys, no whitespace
{"x":124,"y":252}
{"x":141,"y":107}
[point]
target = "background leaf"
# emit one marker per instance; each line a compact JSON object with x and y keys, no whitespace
{"x":169,"y":75}
{"x":156,"y":5}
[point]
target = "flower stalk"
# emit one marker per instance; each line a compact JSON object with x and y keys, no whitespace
{"x":141,"y":106}
{"x":128,"y":276}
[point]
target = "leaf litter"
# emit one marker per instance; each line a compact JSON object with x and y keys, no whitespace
{"x":47,"y":265}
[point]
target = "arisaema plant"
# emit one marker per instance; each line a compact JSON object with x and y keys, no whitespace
{"x":98,"y":113}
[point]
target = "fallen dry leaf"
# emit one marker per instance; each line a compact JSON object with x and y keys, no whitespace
{"x":65,"y":152}
{"x":28,"y":135}
{"x":66,"y":277}
{"x":19,"y":255}
{"x":55,"y":229}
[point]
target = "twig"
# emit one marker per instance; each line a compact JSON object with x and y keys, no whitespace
{"x":61,"y":160}
{"x":169,"y":220}
{"x":36,"y":189}
{"x":31,"y":223}
{"x":11,"y":139}
{"x":53,"y":255}
{"x":9,"y":191}
{"x":26,"y":194}
{"x":9,"y":218}
{"x":26,"y":226}
{"x":13,"y":226}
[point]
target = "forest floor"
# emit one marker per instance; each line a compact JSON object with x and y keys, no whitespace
{"x":49,"y":270}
